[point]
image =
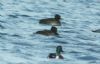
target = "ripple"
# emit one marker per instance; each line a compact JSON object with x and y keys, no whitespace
{"x":3,"y":34}
{"x":2,"y":21}
{"x":1,"y":6}
{"x":61,"y":42}
{"x":24,"y":15}
{"x":98,"y":13}
{"x":70,"y":31}
{"x":93,"y":50}
{"x":75,"y":52}
{"x":22,"y":43}
{"x":88,"y":58}
{"x":16,"y":35}
{"x":84,"y":37}
{"x":88,"y":44}
{"x":2,"y":27}
{"x":13,"y":16}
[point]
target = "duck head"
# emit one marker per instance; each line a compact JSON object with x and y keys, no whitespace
{"x":59,"y":50}
{"x":54,"y":30}
{"x":57,"y":17}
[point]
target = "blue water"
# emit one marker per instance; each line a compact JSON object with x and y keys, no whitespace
{"x":19,"y":20}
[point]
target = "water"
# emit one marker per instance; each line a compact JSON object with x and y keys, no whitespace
{"x":19,"y":20}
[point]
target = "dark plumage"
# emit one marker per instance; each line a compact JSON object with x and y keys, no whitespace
{"x":52,"y":21}
{"x":57,"y":55}
{"x":60,"y":47}
{"x":53,"y":55}
{"x":53,"y":31}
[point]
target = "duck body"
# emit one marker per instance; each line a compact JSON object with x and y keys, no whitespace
{"x":51,"y":21}
{"x":45,"y":32}
{"x":54,"y":56}
{"x":53,"y":31}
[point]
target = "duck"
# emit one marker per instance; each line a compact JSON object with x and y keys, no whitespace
{"x":56,"y":55}
{"x":96,"y":31}
{"x":52,"y":31}
{"x":51,"y":21}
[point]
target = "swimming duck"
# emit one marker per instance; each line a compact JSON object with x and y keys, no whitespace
{"x":53,"y":31}
{"x":52,"y":21}
{"x":57,"y":55}
{"x":96,"y":31}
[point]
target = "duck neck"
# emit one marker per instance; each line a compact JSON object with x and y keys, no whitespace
{"x":58,"y":52}
{"x":56,"y":33}
{"x":57,"y":19}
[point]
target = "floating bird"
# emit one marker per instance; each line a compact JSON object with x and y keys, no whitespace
{"x":57,"y":55}
{"x":52,"y":21}
{"x":53,"y":31}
